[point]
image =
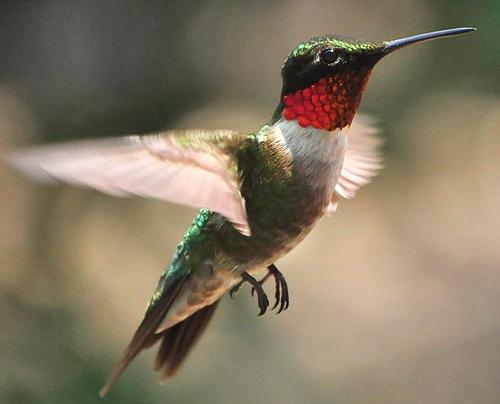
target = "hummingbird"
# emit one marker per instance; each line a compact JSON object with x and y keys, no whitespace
{"x":259,"y":193}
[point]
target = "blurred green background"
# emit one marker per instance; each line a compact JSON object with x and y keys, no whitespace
{"x":395,"y":299}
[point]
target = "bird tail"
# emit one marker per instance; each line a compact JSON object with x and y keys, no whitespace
{"x":176,"y":341}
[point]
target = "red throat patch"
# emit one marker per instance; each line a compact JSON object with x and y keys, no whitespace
{"x":329,"y":104}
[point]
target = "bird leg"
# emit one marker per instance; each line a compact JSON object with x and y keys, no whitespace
{"x":262,"y":299}
{"x":281,"y":293}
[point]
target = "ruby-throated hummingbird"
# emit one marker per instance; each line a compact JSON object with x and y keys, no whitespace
{"x":259,"y":193}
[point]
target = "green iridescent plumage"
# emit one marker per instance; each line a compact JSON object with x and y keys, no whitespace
{"x":178,"y":265}
{"x":351,"y":45}
{"x":264,"y":169}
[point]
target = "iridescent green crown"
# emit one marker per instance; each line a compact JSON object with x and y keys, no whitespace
{"x":350,"y":45}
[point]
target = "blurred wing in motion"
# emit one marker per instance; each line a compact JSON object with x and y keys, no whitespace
{"x":196,"y":168}
{"x":362,"y":161}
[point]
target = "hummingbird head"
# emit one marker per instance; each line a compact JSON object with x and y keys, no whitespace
{"x":325,"y":77}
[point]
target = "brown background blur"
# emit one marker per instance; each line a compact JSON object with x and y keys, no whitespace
{"x":395,"y":299}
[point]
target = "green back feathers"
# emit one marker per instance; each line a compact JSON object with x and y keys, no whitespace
{"x":178,"y":267}
{"x":350,"y":45}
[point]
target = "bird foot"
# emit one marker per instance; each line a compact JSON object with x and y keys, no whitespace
{"x":281,"y":292}
{"x":262,"y":299}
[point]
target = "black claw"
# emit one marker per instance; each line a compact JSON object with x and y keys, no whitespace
{"x":285,"y":301}
{"x":235,"y":288}
{"x":262,"y":299}
{"x":281,"y":292}
{"x":277,"y":293}
{"x":263,"y":303}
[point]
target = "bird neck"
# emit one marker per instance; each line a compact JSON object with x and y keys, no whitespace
{"x":329,"y":104}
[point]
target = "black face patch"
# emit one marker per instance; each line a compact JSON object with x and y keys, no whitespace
{"x":299,"y":72}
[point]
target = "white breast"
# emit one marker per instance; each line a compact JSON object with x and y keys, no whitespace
{"x":318,"y":154}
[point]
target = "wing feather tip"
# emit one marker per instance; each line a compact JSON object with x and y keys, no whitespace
{"x":362,"y":161}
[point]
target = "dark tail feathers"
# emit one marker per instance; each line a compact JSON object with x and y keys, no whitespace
{"x":178,"y":340}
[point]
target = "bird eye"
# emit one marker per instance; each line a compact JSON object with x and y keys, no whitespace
{"x":328,"y":56}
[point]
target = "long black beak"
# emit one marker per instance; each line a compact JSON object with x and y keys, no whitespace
{"x":391,"y":46}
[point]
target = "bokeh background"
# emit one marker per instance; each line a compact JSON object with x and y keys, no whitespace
{"x":395,"y":299}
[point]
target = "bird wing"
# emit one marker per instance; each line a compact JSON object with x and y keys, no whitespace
{"x":362,"y":161}
{"x":196,"y":168}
